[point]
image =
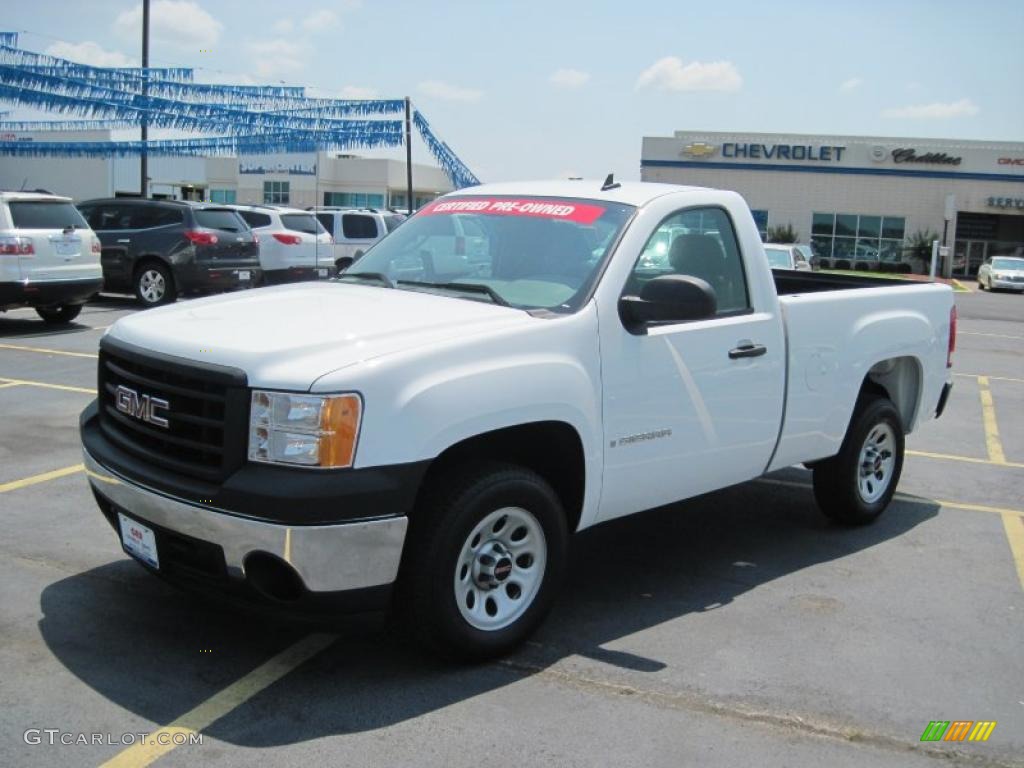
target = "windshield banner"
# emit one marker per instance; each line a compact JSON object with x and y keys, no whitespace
{"x":565,"y":210}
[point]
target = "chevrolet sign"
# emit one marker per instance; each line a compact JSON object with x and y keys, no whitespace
{"x":699,"y":149}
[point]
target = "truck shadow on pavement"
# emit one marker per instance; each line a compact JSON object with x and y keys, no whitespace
{"x":158,"y":652}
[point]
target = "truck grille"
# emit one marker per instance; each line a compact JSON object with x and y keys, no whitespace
{"x":206,"y":416}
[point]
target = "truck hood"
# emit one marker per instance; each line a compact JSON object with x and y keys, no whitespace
{"x":289,"y":336}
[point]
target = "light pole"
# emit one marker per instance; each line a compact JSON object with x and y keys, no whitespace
{"x":143,"y":157}
{"x":408,"y":152}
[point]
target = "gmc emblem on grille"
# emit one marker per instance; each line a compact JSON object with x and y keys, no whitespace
{"x":142,"y":407}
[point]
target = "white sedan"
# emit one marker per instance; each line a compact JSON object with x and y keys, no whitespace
{"x":1002,"y":273}
{"x":787,"y":257}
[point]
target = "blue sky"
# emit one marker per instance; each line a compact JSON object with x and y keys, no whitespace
{"x":522,"y":90}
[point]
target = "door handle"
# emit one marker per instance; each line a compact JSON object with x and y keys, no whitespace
{"x":125,"y":240}
{"x":747,"y":350}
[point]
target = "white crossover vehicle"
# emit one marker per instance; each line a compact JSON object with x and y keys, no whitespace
{"x":1002,"y":273}
{"x":430,"y":432}
{"x":49,"y":258}
{"x":293,"y":244}
{"x":356,"y":229}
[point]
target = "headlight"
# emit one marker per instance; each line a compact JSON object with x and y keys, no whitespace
{"x":304,"y":430}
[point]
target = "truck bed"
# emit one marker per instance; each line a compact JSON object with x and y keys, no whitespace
{"x":791,"y":282}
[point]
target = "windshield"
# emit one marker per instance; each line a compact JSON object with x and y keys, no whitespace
{"x":778,"y":257}
{"x":1007,"y":263}
{"x":530,"y":253}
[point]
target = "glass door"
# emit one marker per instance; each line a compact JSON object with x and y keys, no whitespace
{"x":968,"y":256}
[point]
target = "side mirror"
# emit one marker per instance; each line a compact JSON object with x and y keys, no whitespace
{"x":668,"y":299}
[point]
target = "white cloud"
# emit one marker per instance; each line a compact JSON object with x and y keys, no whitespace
{"x":670,"y":74}
{"x":90,"y":53}
{"x":851,"y":84}
{"x":320,"y":21}
{"x":283,"y":26}
{"x":276,"y":58}
{"x":935,"y":111}
{"x":183,"y":23}
{"x":358,"y":92}
{"x":569,"y":78}
{"x":449,"y":92}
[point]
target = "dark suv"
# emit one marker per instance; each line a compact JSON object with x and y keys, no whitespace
{"x":162,"y":248}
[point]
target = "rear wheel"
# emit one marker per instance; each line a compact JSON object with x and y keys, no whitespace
{"x":154,"y":284}
{"x":856,"y":485}
{"x":483,"y":561}
{"x":61,"y":315}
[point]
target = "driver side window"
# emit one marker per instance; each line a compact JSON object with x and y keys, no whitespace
{"x":697,"y":242}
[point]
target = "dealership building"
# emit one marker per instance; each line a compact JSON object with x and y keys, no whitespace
{"x":301,"y":180}
{"x":860,"y":198}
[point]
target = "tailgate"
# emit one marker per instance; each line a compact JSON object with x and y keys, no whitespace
{"x":61,"y":241}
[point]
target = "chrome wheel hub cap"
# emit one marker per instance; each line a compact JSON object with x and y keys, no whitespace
{"x":877,"y":462}
{"x":152,"y":286}
{"x":500,"y":568}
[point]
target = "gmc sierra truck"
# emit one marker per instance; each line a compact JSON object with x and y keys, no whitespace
{"x":426,"y":431}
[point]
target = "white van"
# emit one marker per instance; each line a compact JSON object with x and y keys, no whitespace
{"x":49,"y":257}
{"x":355,"y":229}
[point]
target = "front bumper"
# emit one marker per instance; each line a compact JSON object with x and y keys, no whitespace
{"x":328,"y":559}
{"x":1007,"y":285}
{"x":48,"y":293}
{"x":298,"y":274}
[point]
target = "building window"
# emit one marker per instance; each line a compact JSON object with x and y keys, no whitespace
{"x":354,"y":199}
{"x":422,"y":200}
{"x":761,"y":219}
{"x":398,"y":200}
{"x":854,"y":237}
{"x":275,"y":192}
{"x":222,"y":195}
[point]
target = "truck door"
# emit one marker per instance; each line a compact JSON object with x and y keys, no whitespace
{"x":690,"y":407}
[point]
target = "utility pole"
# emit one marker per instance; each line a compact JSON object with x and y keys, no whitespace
{"x":408,"y":151}
{"x":143,"y":157}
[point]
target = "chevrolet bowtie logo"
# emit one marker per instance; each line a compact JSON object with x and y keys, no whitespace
{"x":699,"y":149}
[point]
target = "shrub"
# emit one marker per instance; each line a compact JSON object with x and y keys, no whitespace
{"x":841,"y":264}
{"x":784,"y":234}
{"x":862,"y":266}
{"x":904,"y":268}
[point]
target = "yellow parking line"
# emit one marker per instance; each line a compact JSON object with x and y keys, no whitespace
{"x":220,"y":704}
{"x":993,"y":378}
{"x":44,"y":351}
{"x":915,"y":499}
{"x":28,"y":383}
{"x":6,"y":384}
{"x":993,"y":335}
{"x":14,"y":485}
{"x":1014,"y":528}
{"x":988,"y":418}
{"x":968,"y":459}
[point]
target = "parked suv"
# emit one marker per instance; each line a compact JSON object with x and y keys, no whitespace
{"x":162,"y":248}
{"x":355,"y":229}
{"x":293,"y":244}
{"x":49,"y":258}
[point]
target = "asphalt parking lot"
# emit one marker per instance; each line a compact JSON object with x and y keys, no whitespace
{"x":739,"y":628}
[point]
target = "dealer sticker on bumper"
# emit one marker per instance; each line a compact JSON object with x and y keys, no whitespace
{"x":138,"y":540}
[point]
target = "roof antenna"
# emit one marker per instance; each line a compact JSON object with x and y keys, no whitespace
{"x":610,"y":183}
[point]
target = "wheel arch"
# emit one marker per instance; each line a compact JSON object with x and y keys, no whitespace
{"x":552,"y":449}
{"x":901,"y":380}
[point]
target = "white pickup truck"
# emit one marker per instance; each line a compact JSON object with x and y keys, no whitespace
{"x":428,"y":429}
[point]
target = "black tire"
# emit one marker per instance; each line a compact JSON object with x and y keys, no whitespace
{"x":440,"y":528}
{"x":154,"y":284}
{"x":981,"y":286}
{"x":62,"y":315}
{"x":837,"y":481}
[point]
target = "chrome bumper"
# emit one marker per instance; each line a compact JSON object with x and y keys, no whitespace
{"x":328,"y":558}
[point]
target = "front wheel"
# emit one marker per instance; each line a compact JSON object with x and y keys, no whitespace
{"x":483,"y":561}
{"x":61,"y":315}
{"x":856,"y":485}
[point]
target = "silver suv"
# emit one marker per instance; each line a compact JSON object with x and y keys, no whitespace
{"x":49,"y":257}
